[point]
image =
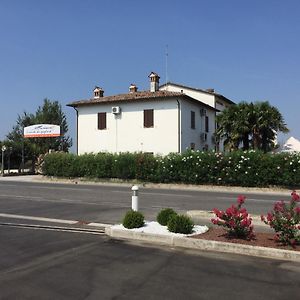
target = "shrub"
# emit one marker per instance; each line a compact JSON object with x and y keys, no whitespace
{"x":180,"y":224}
{"x":239,"y":168}
{"x":285,"y":219}
{"x":235,"y":220}
{"x":164,"y":216}
{"x":133,"y":219}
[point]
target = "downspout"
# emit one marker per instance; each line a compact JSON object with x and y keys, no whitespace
{"x":179,"y":126}
{"x":76,"y":129}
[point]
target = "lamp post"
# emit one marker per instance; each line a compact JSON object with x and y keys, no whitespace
{"x":8,"y":160}
{"x":2,"y":164}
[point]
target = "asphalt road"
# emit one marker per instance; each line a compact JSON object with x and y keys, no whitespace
{"x":108,"y":204}
{"x":38,"y":264}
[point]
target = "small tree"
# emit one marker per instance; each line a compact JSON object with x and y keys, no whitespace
{"x":49,"y":113}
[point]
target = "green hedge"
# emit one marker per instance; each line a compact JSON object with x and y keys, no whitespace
{"x":237,"y":168}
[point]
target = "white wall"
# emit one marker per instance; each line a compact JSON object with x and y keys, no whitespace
{"x":203,"y":97}
{"x":190,"y":135}
{"x":126,"y":132}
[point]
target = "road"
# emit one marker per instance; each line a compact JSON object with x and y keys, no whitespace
{"x":41,"y":263}
{"x":38,"y":264}
{"x":108,"y":204}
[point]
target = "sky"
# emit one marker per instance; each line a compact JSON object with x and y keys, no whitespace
{"x":62,"y":49}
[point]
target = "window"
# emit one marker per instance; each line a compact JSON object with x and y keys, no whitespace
{"x":192,"y":119}
{"x":148,"y":118}
{"x":101,"y":120}
{"x":206,"y":124}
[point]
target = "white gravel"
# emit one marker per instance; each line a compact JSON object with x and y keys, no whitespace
{"x":156,"y":228}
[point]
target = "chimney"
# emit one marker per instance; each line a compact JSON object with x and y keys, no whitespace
{"x":210,"y":90}
{"x":154,"y":82}
{"x":133,"y":88}
{"x":98,"y":92}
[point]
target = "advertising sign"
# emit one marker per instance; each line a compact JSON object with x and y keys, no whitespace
{"x":41,"y":130}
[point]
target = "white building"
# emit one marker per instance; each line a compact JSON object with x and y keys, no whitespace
{"x":158,"y":121}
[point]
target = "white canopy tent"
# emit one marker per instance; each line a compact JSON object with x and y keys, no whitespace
{"x":291,"y":145}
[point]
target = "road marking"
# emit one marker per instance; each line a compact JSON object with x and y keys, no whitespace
{"x":157,"y":194}
{"x":251,"y":199}
{"x":56,"y":187}
{"x":12,"y":216}
{"x":64,"y":200}
{"x":51,"y":220}
{"x":54,"y":228}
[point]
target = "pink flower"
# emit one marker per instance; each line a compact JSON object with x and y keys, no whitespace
{"x":297,"y":210}
{"x":241,"y":199}
{"x":295,"y":196}
{"x":215,"y":221}
{"x":270,"y":217}
{"x":278,"y":206}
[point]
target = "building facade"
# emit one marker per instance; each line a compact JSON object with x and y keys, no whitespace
{"x":157,"y":121}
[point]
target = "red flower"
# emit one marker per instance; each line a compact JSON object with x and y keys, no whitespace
{"x":270,"y":217}
{"x":262,"y":218}
{"x":215,"y":221}
{"x":297,"y":210}
{"x":278,"y":206}
{"x":241,"y":199}
{"x":295,"y":196}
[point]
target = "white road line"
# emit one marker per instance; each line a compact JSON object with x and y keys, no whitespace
{"x":63,"y":200}
{"x":56,"y":187}
{"x":156,"y":194}
{"x":12,"y":216}
{"x":53,"y":228}
{"x":251,"y":199}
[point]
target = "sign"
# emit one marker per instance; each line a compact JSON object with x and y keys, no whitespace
{"x":41,"y":130}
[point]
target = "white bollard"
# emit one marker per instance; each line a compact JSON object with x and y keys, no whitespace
{"x":135,"y":198}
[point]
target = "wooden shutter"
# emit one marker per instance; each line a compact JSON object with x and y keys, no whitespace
{"x":206,"y":124}
{"x":192,"y":119}
{"x":148,"y":118}
{"x":102,"y":121}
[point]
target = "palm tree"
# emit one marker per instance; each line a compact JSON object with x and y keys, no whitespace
{"x":246,"y":124}
{"x":233,"y":126}
{"x":266,"y":122}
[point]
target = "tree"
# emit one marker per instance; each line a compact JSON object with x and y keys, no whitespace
{"x":252,"y":125}
{"x":49,"y":113}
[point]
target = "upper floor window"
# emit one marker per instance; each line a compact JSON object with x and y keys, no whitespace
{"x":193,"y":123}
{"x":102,"y":120}
{"x":148,"y":118}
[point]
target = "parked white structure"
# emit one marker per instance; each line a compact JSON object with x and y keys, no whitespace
{"x":158,"y":121}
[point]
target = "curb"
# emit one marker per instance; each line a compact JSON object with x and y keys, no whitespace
{"x":206,"y":245}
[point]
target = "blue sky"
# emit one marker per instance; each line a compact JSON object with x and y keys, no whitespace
{"x":61,"y":49}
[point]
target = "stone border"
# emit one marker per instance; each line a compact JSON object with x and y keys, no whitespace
{"x":207,"y":245}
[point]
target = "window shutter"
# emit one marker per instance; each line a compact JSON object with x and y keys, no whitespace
{"x":193,"y":120}
{"x":102,"y":121}
{"x":148,"y":118}
{"x":206,"y":124}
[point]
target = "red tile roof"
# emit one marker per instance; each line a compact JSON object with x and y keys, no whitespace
{"x":137,"y":96}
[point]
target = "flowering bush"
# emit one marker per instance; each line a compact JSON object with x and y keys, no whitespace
{"x":285,"y":219}
{"x":238,"y":168}
{"x":235,"y":220}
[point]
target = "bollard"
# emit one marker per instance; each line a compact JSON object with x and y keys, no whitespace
{"x":135,"y":198}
